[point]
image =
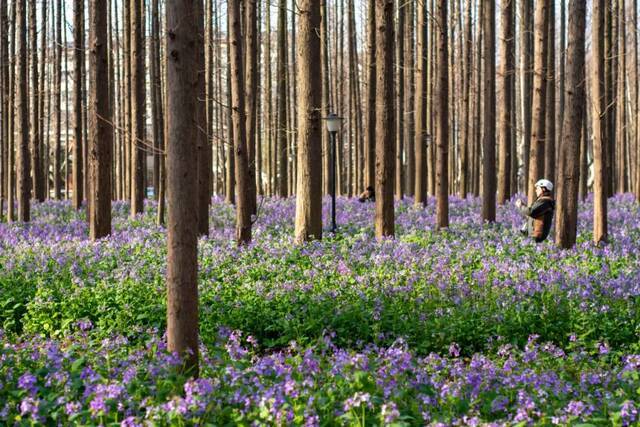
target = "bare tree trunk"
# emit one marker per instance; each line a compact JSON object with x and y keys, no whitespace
{"x":57,"y":162}
{"x":442,"y":117}
{"x":203,"y":151}
{"x":4,"y":104}
{"x":100,"y":127}
{"x":568,"y":174}
{"x":182,"y":258}
{"x":400,"y":36}
{"x":11,"y":178}
{"x":137,"y":107}
{"x":550,"y":121}
{"x":78,"y":59}
{"x":507,"y":49}
{"x":281,"y":145}
{"x":420,"y":193}
{"x":610,"y":91}
{"x":308,"y":223}
{"x":22,"y":110}
{"x":527,"y":51}
{"x":488,"y":144}
{"x":251,"y":71}
{"x":370,"y":128}
{"x":385,"y":127}
{"x":599,"y":126}
{"x":243,"y":213}
{"x":536,"y":156}
{"x":467,"y":118}
{"x":326,"y":94}
{"x":38,"y":188}
{"x":230,"y":179}
{"x":409,"y":135}
{"x":621,"y":122}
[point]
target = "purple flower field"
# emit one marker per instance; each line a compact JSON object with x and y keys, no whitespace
{"x":472,"y":326}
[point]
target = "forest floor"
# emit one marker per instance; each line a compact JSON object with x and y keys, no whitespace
{"x":467,"y":326}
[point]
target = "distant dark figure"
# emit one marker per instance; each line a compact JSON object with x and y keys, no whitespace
{"x":368,"y":195}
{"x":540,"y":213}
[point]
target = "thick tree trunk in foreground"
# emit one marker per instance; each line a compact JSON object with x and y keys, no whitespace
{"x":243,"y":206}
{"x":100,"y":123}
{"x":182,"y":260}
{"x":420,"y":148}
{"x":569,"y":171}
{"x":309,"y":183}
{"x":78,"y":59}
{"x":137,"y":107}
{"x":488,"y":142}
{"x":507,"y":52}
{"x":536,"y":156}
{"x":385,"y":127}
{"x":597,"y":114}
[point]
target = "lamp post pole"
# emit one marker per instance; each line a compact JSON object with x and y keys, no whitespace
{"x":334,"y":227}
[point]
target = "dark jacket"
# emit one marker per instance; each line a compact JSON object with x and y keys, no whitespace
{"x":539,"y":214}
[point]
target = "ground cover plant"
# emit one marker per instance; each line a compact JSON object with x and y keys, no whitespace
{"x":471,"y":325}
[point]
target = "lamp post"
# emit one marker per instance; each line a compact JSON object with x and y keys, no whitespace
{"x":333,"y":125}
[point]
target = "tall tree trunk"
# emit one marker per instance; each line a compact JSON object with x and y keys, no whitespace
{"x":465,"y":145}
{"x":38,"y":188}
{"x":203,"y":151}
{"x":420,"y":193}
{"x":610,"y":90}
{"x":370,"y":128}
{"x":442,"y":117}
{"x":182,"y":257}
{"x":243,"y":213}
{"x":308,"y":223}
{"x":526,"y":43}
{"x":621,"y":122}
{"x":230,"y":179}
{"x":57,"y":162}
{"x":488,"y":142}
{"x":400,"y":115}
{"x":281,"y":145}
{"x":251,"y":71}
{"x":326,"y":94}
{"x":507,"y":48}
{"x":385,"y":127}
{"x":137,"y":107}
{"x":536,"y":156}
{"x":11,"y":178}
{"x":100,"y":127}
{"x":409,"y":103}
{"x":550,"y":121}
{"x":267,"y":102}
{"x":78,"y":59}
{"x":22,"y":110}
{"x":568,"y":173}
{"x":599,"y":126}
{"x":4,"y":104}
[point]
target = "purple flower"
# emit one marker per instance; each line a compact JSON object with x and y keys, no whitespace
{"x":27,"y":382}
{"x":72,"y":408}
{"x":98,"y":406}
{"x":628,"y":412}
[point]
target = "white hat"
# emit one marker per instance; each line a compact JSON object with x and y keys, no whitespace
{"x":545,"y":183}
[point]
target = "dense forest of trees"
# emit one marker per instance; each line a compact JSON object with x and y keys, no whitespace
{"x":438,"y":98}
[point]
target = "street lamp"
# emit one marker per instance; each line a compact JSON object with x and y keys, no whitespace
{"x":333,"y":126}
